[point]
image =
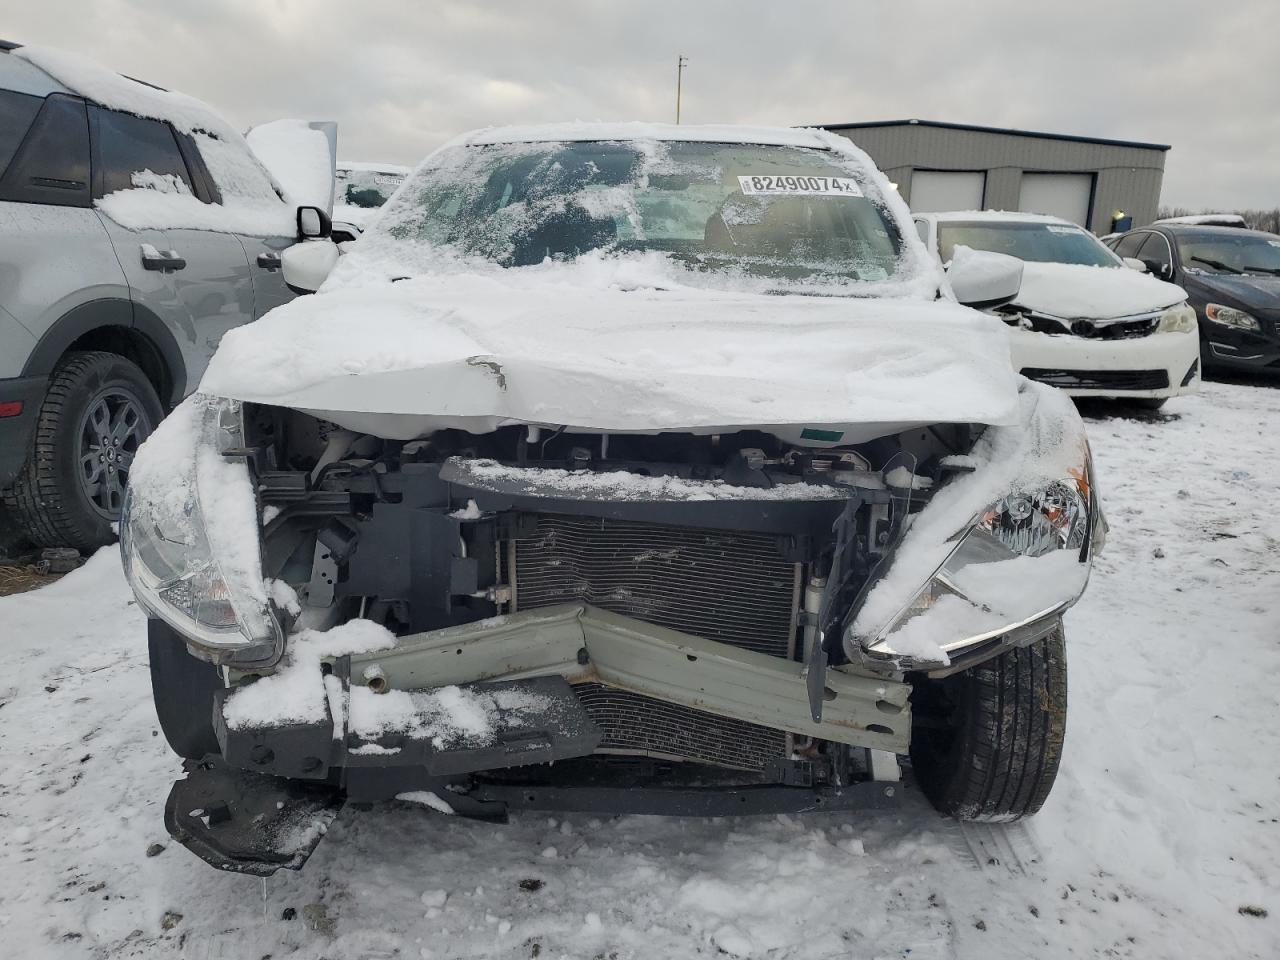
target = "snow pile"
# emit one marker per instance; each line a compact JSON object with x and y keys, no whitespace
{"x":299,"y":158}
{"x":1047,"y":445}
{"x":1075,"y":291}
{"x":615,"y":344}
{"x":296,"y":692}
{"x":621,"y":485}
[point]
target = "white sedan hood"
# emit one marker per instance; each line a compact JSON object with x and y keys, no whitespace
{"x":479,"y":351}
{"x":1077,"y":292}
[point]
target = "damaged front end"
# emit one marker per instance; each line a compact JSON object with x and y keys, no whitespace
{"x":542,"y":618}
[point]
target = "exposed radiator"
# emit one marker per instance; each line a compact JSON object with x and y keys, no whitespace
{"x":635,"y":724}
{"x":732,"y":587}
{"x":728,"y":586}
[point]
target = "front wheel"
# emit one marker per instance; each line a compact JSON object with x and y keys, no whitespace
{"x":98,"y":410}
{"x":987,"y":741}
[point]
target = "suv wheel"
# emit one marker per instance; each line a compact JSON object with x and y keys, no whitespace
{"x":988,"y":740}
{"x":97,"y":411}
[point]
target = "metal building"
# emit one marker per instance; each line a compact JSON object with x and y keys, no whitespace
{"x":954,"y":166}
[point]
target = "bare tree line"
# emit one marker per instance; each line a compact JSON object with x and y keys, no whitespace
{"x":1268,"y":220}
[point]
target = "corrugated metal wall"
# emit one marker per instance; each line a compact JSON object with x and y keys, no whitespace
{"x":1127,"y":178}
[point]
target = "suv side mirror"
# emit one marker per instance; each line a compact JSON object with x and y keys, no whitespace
{"x":313,"y":224}
{"x":305,"y":266}
{"x":980,"y":278}
{"x":1133,"y":263}
{"x":1157,"y":269}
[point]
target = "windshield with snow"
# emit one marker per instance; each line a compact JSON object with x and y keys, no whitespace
{"x":1243,"y":253}
{"x":360,"y":187}
{"x":775,"y":212}
{"x":1037,"y":242}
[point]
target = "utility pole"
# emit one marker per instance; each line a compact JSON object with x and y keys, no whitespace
{"x":680,"y":65}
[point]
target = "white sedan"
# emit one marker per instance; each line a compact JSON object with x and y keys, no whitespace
{"x":1081,"y":321}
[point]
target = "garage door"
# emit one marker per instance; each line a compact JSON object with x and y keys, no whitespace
{"x":936,"y":190}
{"x":1063,"y":195}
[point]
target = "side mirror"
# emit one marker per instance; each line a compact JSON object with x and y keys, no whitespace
{"x":1158,"y":269}
{"x":313,"y":223}
{"x":305,"y":266}
{"x":980,"y":278}
{"x":1133,"y":263}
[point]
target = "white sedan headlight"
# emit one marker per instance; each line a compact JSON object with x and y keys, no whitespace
{"x":1179,"y":319}
{"x":189,"y":536}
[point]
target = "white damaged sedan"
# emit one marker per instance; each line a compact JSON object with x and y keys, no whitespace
{"x":1080,"y":321}
{"x":623,"y":468}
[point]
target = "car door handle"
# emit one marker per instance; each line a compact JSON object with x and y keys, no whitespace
{"x":153,"y":259}
{"x":269,"y":261}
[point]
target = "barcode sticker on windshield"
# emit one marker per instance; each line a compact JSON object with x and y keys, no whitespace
{"x":770,"y":184}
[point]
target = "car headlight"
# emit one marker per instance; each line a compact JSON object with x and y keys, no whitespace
{"x":1022,"y":561}
{"x":996,"y":555}
{"x":189,"y":536}
{"x":1179,"y":319}
{"x":1231,"y":317}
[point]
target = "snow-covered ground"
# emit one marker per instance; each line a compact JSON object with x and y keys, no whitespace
{"x":1161,"y":839}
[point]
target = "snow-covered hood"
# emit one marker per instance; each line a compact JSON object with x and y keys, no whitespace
{"x":478,"y":351}
{"x":1073,"y":291}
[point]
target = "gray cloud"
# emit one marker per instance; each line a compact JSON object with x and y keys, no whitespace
{"x":400,"y":78}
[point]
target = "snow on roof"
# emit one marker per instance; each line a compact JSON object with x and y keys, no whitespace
{"x":362,"y":166}
{"x":1208,"y":220}
{"x":579,"y":130}
{"x":995,"y":216}
{"x":110,"y":89}
{"x":250,"y":200}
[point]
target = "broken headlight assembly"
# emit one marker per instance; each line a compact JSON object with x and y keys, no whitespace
{"x":189,"y":537}
{"x":1016,"y":567}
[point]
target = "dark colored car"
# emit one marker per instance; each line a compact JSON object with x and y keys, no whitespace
{"x":1232,"y":278}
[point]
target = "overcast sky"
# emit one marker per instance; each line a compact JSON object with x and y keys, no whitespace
{"x":401,"y":77}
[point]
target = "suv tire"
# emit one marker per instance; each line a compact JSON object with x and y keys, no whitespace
{"x":992,"y":735}
{"x":97,"y":411}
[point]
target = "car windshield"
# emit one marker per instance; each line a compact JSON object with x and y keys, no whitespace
{"x":1026,"y":240}
{"x":1242,"y":253}
{"x":781,"y":213}
{"x":365,"y":188}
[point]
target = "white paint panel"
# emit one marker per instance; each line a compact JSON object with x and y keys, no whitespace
{"x":937,"y":190}
{"x":1063,"y":195}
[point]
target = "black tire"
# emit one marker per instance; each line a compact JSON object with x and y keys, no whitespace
{"x":987,"y":741}
{"x":51,"y":498}
{"x":182,"y":688}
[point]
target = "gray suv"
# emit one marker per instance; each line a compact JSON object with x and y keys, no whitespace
{"x":136,"y":228}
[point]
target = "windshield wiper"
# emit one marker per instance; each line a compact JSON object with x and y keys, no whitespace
{"x":1271,"y":271}
{"x":1216,"y":264}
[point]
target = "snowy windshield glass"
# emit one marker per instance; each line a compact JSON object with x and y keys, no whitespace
{"x":365,"y":188}
{"x":1240,"y":253}
{"x":1037,"y":242}
{"x":775,"y":212}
